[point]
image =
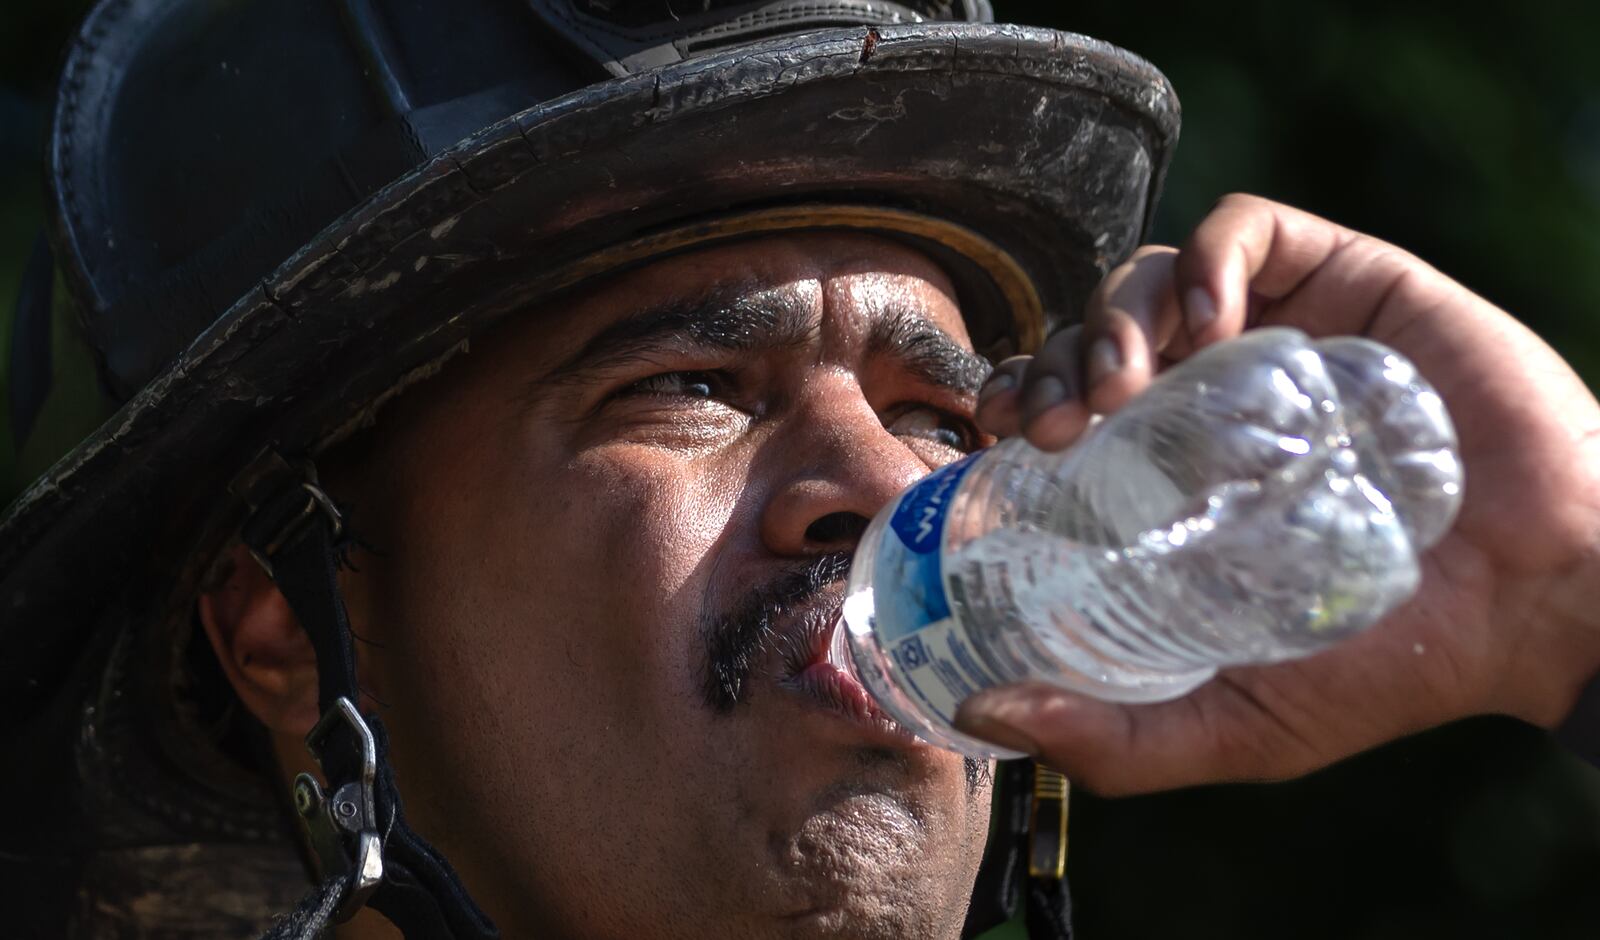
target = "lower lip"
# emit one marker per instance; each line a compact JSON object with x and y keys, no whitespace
{"x":837,"y":691}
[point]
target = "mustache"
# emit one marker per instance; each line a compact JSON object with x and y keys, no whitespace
{"x":738,"y":641}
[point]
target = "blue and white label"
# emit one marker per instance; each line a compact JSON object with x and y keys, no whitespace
{"x":914,"y":622}
{"x":916,"y":563}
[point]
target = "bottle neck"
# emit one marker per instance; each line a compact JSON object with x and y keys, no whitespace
{"x":839,"y":655}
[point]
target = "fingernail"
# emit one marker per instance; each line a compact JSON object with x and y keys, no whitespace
{"x":1105,"y":358}
{"x":1199,"y":309}
{"x":990,"y":716}
{"x":997,"y":383}
{"x":1047,"y":392}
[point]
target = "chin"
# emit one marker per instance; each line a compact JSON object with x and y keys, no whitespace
{"x":874,"y":864}
{"x":878,"y":915}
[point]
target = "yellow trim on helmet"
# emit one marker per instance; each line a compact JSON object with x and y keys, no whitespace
{"x":1022,"y":299}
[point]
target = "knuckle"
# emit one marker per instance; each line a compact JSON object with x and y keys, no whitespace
{"x":1238,"y":200}
{"x":1389,"y":259}
{"x":1147,"y":251}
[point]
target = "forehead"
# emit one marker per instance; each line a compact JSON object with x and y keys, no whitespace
{"x":867,"y":272}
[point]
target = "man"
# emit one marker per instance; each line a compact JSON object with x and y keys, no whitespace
{"x":599,"y":402}
{"x":637,"y":606}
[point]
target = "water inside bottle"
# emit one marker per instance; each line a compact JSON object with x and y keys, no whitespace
{"x":1236,"y":512}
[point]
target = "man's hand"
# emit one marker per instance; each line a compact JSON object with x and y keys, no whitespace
{"x":1508,"y":615}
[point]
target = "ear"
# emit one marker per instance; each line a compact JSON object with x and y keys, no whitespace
{"x":263,"y":651}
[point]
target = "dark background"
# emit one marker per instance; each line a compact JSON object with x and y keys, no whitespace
{"x":1469,"y":133}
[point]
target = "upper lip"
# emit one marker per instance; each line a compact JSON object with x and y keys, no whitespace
{"x":804,"y":634}
{"x":805,"y":630}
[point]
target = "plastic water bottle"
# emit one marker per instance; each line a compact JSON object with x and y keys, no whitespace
{"x":1259,"y":502}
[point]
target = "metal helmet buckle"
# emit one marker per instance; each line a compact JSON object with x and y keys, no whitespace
{"x":343,"y":827}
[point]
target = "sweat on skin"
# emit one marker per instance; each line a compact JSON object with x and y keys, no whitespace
{"x":597,"y":537}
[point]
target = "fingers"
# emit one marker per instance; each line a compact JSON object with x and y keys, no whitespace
{"x":1255,"y":262}
{"x":1300,"y":270}
{"x":1247,"y":244}
{"x":1051,"y":399}
{"x":1091,"y":367}
{"x":1249,"y":259}
{"x":1111,"y":749}
{"x":1216,"y":734}
{"x":1130,"y":320}
{"x":999,"y":410}
{"x":1039,"y":396}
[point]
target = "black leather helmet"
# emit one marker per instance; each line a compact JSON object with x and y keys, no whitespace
{"x":269,"y":215}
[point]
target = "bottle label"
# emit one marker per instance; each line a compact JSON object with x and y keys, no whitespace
{"x":915,"y":624}
{"x":919,"y":522}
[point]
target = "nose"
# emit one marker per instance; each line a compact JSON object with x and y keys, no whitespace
{"x":837,"y":466}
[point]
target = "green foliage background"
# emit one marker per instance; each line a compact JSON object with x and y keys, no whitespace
{"x":1468,"y":133}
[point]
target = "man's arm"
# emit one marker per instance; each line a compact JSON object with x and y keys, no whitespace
{"x":1507,"y":619}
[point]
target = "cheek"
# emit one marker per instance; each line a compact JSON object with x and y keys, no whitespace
{"x":645,"y":527}
{"x":597,"y":587}
{"x":570,"y":594}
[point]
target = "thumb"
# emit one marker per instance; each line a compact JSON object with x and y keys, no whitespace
{"x":1117,"y":749}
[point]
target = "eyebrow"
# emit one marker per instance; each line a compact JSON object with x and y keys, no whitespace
{"x":741,"y":317}
{"x":926,"y":351}
{"x":734,"y":317}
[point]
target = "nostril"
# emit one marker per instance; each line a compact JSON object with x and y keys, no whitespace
{"x":837,"y":528}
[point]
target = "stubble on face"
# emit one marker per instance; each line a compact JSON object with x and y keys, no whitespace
{"x":740,"y":641}
{"x":606,"y":549}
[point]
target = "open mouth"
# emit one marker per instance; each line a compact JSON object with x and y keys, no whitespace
{"x":808,"y":672}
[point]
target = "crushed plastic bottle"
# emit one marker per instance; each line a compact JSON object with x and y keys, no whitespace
{"x":1262,"y":501}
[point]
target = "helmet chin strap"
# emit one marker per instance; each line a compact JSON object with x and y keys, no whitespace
{"x":1024,"y":863}
{"x":368,"y":854}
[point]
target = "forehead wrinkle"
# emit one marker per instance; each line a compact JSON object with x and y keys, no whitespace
{"x":925,"y":350}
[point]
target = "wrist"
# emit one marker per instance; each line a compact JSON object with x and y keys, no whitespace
{"x":1566,"y":673}
{"x":1544,"y":646}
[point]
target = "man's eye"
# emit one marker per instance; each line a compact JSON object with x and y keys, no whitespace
{"x":937,"y":426}
{"x":692,"y":384}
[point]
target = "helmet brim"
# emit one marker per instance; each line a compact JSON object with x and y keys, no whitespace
{"x":1047,"y":147}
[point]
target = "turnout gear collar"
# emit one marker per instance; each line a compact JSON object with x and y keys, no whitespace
{"x":269,"y":216}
